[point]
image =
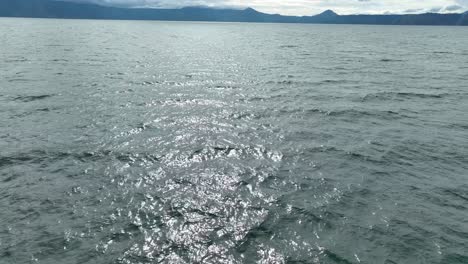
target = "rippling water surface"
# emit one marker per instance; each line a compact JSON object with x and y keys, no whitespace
{"x":151,"y":142}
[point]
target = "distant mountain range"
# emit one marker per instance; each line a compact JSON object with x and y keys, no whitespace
{"x":73,"y":10}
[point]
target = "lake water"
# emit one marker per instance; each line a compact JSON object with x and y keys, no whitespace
{"x":165,"y":142}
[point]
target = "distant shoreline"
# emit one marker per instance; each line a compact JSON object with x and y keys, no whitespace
{"x":228,"y":22}
{"x":72,"y":10}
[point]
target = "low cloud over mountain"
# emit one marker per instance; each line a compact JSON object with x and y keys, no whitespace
{"x":303,"y":7}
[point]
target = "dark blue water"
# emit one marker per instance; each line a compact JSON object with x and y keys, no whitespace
{"x":148,"y":142}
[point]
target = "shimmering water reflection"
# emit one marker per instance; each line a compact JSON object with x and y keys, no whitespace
{"x":150,"y":142}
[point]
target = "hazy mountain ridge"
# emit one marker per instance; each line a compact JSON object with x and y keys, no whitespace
{"x":59,"y":9}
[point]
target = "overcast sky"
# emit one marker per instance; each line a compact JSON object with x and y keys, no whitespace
{"x":308,"y":7}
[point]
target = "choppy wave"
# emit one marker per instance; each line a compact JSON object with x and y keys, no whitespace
{"x":30,"y":98}
{"x":408,"y":96}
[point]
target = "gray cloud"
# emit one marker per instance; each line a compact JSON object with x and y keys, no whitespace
{"x":435,"y":9}
{"x":453,"y":8}
{"x":416,"y":10}
{"x":156,"y":3}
